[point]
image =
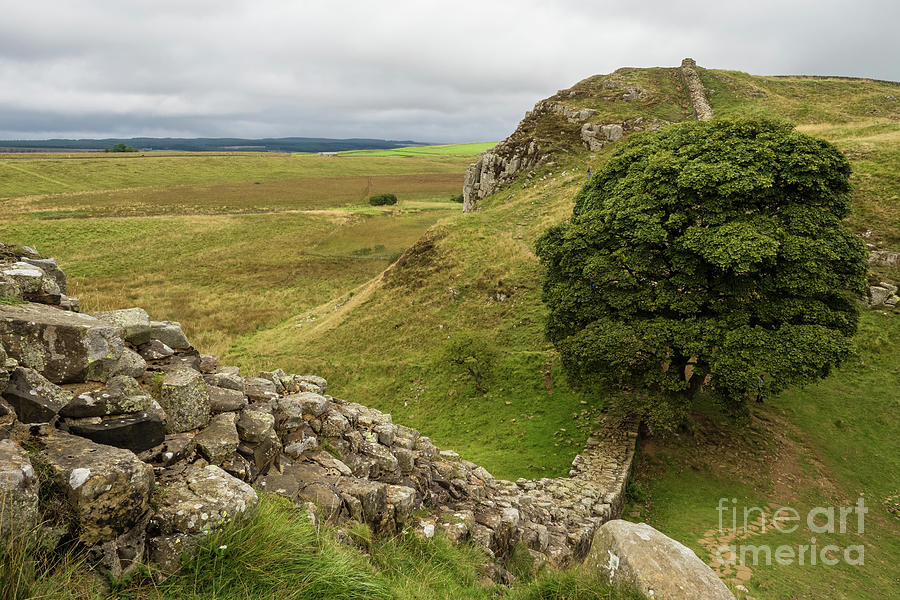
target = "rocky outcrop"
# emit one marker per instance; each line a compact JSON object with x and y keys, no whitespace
{"x":883,"y":294}
{"x":524,"y":151}
{"x":596,"y":135}
{"x":696,"y":92}
{"x":639,"y":556}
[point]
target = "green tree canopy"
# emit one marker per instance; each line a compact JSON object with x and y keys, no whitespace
{"x":707,"y":250}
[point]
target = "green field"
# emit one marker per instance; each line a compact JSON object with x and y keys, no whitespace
{"x":227,"y":244}
{"x":439,"y":150}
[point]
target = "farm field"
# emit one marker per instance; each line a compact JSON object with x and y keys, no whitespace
{"x":227,"y":244}
{"x":439,"y":150}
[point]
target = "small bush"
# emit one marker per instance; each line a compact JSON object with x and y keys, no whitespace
{"x":472,"y":353}
{"x":457,"y":198}
{"x":382,"y":199}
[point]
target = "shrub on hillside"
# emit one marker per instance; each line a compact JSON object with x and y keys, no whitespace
{"x":382,"y":199}
{"x":472,"y":353}
{"x":457,"y":198}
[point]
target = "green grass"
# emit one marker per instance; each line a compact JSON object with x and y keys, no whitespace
{"x":53,"y":173}
{"x":279,"y":553}
{"x":823,"y":445}
{"x":439,"y":150}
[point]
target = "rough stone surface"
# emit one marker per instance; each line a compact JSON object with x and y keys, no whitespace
{"x":155,"y":350}
{"x":135,"y":322}
{"x":184,"y":397}
{"x":63,"y":346}
{"x":108,"y":488}
{"x":697,"y":93}
{"x":167,"y":332}
{"x":197,"y":499}
{"x":18,"y":490}
{"x":218,"y":442}
{"x":136,"y":432}
{"x":657,"y":566}
{"x":50,"y":270}
{"x":34,"y":398}
{"x":225,"y":400}
{"x":122,"y":395}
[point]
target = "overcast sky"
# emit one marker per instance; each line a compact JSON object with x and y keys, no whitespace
{"x":437,"y":71}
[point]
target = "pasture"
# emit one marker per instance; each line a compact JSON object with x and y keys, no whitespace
{"x":227,"y":244}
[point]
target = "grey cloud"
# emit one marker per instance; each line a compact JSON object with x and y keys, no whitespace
{"x":426,"y":70}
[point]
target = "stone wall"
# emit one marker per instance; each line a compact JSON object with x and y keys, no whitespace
{"x":696,"y":92}
{"x":154,"y":444}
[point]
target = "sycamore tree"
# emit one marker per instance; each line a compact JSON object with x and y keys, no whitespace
{"x":701,"y":257}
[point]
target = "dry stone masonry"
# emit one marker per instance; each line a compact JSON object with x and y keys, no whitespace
{"x":696,"y":92}
{"x":152,"y":445}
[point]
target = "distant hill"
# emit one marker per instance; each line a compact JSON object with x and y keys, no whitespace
{"x":288,"y":144}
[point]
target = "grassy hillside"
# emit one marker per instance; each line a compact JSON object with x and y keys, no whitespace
{"x":382,"y":345}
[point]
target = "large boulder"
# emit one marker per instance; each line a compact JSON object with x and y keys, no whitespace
{"x":639,"y":556}
{"x":18,"y":490}
{"x":63,"y":346}
{"x":183,"y":395}
{"x":107,"y":488}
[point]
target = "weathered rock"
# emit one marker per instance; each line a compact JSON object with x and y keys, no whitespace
{"x":208,"y":364}
{"x":27,"y":277}
{"x":697,"y":93}
{"x":638,"y":555}
{"x":259,"y":390}
{"x":291,"y":410}
{"x":183,"y":395}
{"x":264,"y":453}
{"x":155,"y":350}
{"x":130,"y":363}
{"x":403,"y":499}
{"x":108,"y":488}
{"x":63,"y":346}
{"x":223,"y":379}
{"x":51,"y":270}
{"x":199,"y":499}
{"x":34,"y":398}
{"x":122,"y":395}
{"x":225,"y":400}
{"x":167,"y":332}
{"x":878,"y":294}
{"x":18,"y":490}
{"x":136,"y":432}
{"x":371,"y":497}
{"x":218,"y":442}
{"x":135,"y":322}
{"x":255,"y":425}
{"x":8,"y":287}
{"x":174,"y":448}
